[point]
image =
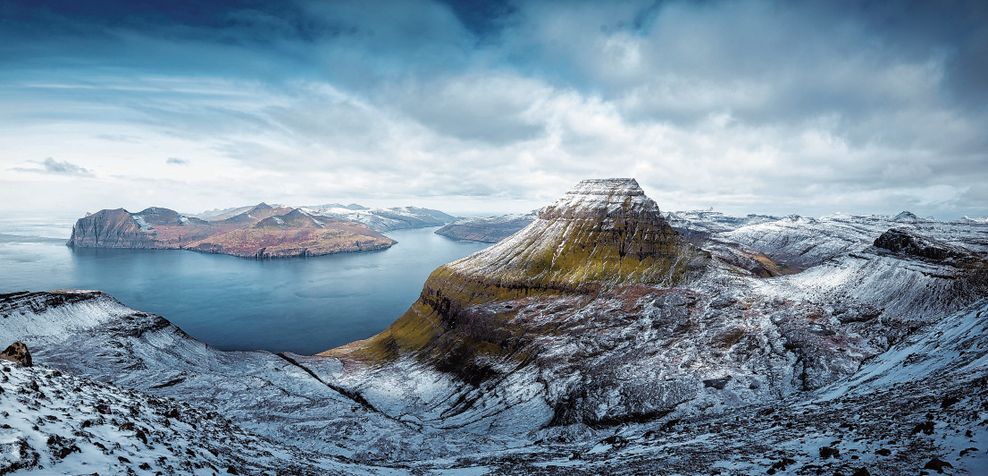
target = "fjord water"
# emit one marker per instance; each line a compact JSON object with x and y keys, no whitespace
{"x":302,"y":305}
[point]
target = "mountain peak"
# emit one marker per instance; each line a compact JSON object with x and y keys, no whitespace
{"x":905,"y":216}
{"x":600,"y":197}
{"x":601,"y":231}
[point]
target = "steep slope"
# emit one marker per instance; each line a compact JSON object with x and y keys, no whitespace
{"x":110,"y":229}
{"x":486,"y":229}
{"x":261,"y":231}
{"x":603,"y":233}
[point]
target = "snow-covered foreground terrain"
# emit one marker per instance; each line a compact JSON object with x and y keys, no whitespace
{"x":594,"y":340}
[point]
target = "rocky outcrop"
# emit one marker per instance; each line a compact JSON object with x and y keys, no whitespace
{"x":17,"y":353}
{"x":486,"y":229}
{"x":110,"y":229}
{"x":905,"y":242}
{"x":261,"y":231}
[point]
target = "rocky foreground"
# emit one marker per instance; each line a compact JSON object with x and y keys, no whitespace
{"x":259,"y":232}
{"x":603,"y":337}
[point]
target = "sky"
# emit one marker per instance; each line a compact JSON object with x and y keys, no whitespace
{"x":488,"y":107}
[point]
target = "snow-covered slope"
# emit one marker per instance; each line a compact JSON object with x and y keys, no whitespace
{"x":55,"y":423}
{"x":384,"y":219}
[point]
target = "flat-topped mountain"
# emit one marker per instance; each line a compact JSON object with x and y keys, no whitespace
{"x":602,"y":234}
{"x":261,"y":231}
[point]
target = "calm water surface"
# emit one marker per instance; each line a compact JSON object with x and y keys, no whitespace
{"x":302,"y":305}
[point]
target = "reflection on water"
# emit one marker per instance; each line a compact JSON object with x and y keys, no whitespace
{"x":303,"y":305}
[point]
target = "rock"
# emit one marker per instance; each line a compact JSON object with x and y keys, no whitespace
{"x":937,"y":465}
{"x":17,"y":353}
{"x":718,"y":383}
{"x":906,"y":242}
{"x":829,"y":452}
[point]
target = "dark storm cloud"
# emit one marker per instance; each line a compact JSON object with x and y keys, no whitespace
{"x":745,"y":104}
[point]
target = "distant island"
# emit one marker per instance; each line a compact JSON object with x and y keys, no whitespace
{"x":261,"y":231}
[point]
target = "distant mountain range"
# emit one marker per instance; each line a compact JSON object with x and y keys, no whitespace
{"x":378,"y":219}
{"x":603,"y":337}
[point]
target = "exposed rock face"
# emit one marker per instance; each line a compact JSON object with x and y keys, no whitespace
{"x":110,"y":229}
{"x":904,"y":242}
{"x":261,"y":231}
{"x":486,"y":229}
{"x":18,"y":353}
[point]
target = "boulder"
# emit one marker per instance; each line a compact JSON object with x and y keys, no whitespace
{"x":18,"y":353}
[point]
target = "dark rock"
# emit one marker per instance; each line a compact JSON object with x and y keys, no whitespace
{"x":861,"y":472}
{"x":718,"y":383}
{"x":17,"y":353}
{"x":948,"y":401}
{"x":780,"y":465}
{"x":829,"y":452}
{"x":926,"y":428}
{"x":937,"y":465}
{"x":905,"y":242}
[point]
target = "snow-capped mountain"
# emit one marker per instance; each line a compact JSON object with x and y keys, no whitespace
{"x":384,"y":219}
{"x":378,"y":219}
{"x":601,"y":339}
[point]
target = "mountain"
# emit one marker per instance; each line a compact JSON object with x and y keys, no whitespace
{"x":383,"y":219}
{"x":378,"y":219}
{"x":261,"y":231}
{"x":598,"y":339}
{"x":486,"y":229}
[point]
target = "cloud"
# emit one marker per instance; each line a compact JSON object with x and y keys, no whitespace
{"x":746,"y":106}
{"x":54,"y":167}
{"x":176,"y":161}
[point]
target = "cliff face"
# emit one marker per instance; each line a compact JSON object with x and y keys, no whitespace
{"x":259,"y":232}
{"x":110,"y":229}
